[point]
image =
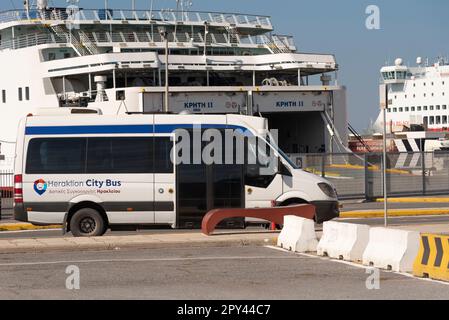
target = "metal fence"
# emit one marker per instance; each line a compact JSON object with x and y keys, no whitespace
{"x":359,"y":176}
{"x":6,"y":194}
{"x":355,"y":176}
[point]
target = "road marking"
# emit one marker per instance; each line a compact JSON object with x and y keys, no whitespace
{"x":357,"y":265}
{"x":39,"y":263}
{"x":413,"y":212}
{"x":28,"y":231}
{"x":393,"y":218}
{"x":415,"y":200}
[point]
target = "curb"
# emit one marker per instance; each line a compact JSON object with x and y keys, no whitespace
{"x":395,"y":213}
{"x":132,"y":242}
{"x":416,"y":200}
{"x":24,"y":227}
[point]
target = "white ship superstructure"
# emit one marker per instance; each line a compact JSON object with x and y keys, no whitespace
{"x":115,"y":60}
{"x":418,"y":96}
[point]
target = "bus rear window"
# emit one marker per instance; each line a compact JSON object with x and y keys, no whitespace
{"x":56,"y":156}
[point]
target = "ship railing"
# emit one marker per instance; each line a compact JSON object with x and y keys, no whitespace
{"x":93,"y":39}
{"x":168,"y":16}
{"x":29,"y":41}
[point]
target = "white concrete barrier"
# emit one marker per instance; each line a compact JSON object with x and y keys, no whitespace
{"x":392,"y":249}
{"x":298,"y":235}
{"x":344,"y":241}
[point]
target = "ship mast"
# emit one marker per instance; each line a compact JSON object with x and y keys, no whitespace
{"x":26,"y":4}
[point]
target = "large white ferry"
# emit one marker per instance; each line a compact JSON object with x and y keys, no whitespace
{"x":418,"y":103}
{"x":115,"y":60}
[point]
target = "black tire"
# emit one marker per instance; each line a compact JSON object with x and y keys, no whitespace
{"x":87,"y":222}
{"x":295,"y":203}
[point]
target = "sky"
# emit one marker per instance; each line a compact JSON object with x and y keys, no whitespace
{"x":408,"y":29}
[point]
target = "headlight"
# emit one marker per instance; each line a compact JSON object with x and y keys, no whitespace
{"x":327,"y":189}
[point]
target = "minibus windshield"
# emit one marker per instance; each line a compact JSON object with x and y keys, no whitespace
{"x":271,"y":142}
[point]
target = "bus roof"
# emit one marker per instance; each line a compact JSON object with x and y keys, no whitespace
{"x":137,"y":123}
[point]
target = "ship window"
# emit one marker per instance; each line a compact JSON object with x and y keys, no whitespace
{"x":20,"y":94}
{"x":27,"y":93}
{"x":431,"y":108}
{"x":419,"y":108}
{"x":438,"y":121}
{"x":413,"y":109}
{"x":425,"y":108}
{"x":395,"y":109}
{"x":438,"y":107}
{"x":431,"y":120}
{"x":51,"y":56}
{"x":4,"y":96}
{"x":401,"y":109}
{"x":407,"y":109}
{"x":444,"y":107}
{"x":444,"y":119}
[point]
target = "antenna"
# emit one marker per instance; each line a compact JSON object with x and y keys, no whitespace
{"x":26,"y":4}
{"x":151,"y":9}
{"x":185,"y":6}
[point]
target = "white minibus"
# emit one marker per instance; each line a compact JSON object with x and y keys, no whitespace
{"x":93,"y":172}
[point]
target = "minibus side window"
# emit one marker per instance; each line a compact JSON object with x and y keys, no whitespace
{"x":129,"y":155}
{"x":163,"y":146}
{"x":120,"y":155}
{"x":56,"y":156}
{"x":261,"y":173}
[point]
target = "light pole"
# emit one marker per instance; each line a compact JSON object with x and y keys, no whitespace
{"x":164,"y":34}
{"x":384,"y":107}
{"x":206,"y":32}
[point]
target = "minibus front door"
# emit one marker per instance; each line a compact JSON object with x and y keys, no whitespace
{"x":164,"y":181}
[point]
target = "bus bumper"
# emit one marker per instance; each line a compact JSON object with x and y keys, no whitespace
{"x":326,"y":210}
{"x":19,"y":212}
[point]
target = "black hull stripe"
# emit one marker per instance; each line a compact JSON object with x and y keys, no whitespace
{"x":407,"y":145}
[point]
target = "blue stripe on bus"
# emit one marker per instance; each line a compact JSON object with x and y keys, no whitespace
{"x":124,"y":129}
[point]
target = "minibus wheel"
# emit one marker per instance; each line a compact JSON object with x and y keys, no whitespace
{"x":295,"y":202}
{"x":87,"y":222}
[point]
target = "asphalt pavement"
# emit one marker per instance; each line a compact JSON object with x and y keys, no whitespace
{"x":236,"y":273}
{"x":205,"y":273}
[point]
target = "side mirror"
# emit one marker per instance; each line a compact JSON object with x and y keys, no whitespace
{"x":283,"y":170}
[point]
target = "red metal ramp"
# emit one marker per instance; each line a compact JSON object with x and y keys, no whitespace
{"x":275,"y":215}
